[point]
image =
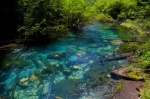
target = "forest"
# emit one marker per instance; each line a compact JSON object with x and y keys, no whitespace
{"x":44,"y":21}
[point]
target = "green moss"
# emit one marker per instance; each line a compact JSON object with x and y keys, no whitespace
{"x":145,"y":92}
{"x":19,"y":62}
{"x":128,"y":47}
{"x":120,"y":85}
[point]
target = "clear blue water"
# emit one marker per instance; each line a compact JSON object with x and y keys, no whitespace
{"x":67,"y":68}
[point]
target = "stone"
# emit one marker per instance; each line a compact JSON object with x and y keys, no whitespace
{"x":33,"y":77}
{"x":24,"y":82}
{"x":116,"y":42}
{"x":57,"y":55}
{"x":76,"y":68}
{"x":121,"y":73}
{"x":66,"y":72}
{"x":57,"y":97}
{"x":94,"y":45}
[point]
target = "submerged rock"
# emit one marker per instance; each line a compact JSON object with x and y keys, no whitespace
{"x":76,"y":68}
{"x":94,"y":45}
{"x":57,"y":55}
{"x":67,"y":72}
{"x":57,"y":97}
{"x":116,"y":42}
{"x":33,"y":77}
{"x":24,"y":82}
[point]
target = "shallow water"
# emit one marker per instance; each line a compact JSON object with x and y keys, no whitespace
{"x":68,"y":68}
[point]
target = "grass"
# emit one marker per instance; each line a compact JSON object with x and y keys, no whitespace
{"x":142,"y":54}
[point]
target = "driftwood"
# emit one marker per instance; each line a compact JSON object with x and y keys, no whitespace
{"x":116,"y":57}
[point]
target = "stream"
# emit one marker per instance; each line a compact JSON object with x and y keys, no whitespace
{"x":68,"y":68}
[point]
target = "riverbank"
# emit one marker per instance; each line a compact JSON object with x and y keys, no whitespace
{"x":140,"y":49}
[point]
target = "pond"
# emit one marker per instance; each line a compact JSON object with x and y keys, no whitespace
{"x":68,"y":68}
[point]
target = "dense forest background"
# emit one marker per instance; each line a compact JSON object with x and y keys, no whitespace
{"x":47,"y":19}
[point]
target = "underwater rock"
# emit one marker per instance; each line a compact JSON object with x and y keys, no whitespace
{"x":19,"y":62}
{"x":66,"y":72}
{"x":73,"y":58}
{"x":57,"y":97}
{"x":68,"y":88}
{"x":45,"y":87}
{"x":35,"y":61}
{"x":94,"y":45}
{"x":24,"y":82}
{"x":59,"y":67}
{"x":46,"y":70}
{"x":57,"y":55}
{"x":80,"y":53}
{"x":76,"y":68}
{"x":116,"y":42}
{"x":33,"y":77}
{"x":91,"y":61}
{"x":107,"y":48}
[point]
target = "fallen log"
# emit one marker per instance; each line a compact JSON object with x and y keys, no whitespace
{"x":116,"y":57}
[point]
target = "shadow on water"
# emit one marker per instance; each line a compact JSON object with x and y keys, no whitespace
{"x":69,"y":68}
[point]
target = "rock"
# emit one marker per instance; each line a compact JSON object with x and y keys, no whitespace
{"x":67,"y":72}
{"x":58,"y":97}
{"x":47,"y":70}
{"x":91,"y":61}
{"x":57,"y":55}
{"x":24,"y":82}
{"x":73,"y":58}
{"x":116,"y":42}
{"x":45,"y":88}
{"x":108,"y":75}
{"x":76,"y":68}
{"x":129,"y":90}
{"x":33,"y":77}
{"x":94,"y":45}
{"x":121,"y":73}
{"x":80,"y":53}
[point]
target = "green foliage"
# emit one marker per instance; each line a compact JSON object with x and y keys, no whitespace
{"x":52,"y":18}
{"x":128,"y":47}
{"x":117,"y":9}
{"x":145,"y":92}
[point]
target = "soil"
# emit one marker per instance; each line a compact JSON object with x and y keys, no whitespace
{"x":130,"y":90}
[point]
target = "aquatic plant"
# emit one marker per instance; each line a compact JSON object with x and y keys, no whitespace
{"x":68,"y":88}
{"x":97,"y":74}
{"x":19,"y":62}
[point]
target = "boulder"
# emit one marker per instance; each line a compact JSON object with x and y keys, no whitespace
{"x":75,"y":68}
{"x":116,"y":42}
{"x":24,"y":82}
{"x":122,"y":74}
{"x":57,"y":55}
{"x":66,"y":72}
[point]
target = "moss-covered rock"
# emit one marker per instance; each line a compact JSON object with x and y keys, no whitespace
{"x":58,"y":55}
{"x":24,"y":82}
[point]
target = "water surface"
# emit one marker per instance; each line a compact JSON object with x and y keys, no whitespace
{"x":69,"y":68}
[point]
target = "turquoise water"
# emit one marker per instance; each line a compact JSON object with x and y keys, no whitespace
{"x":68,"y":68}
